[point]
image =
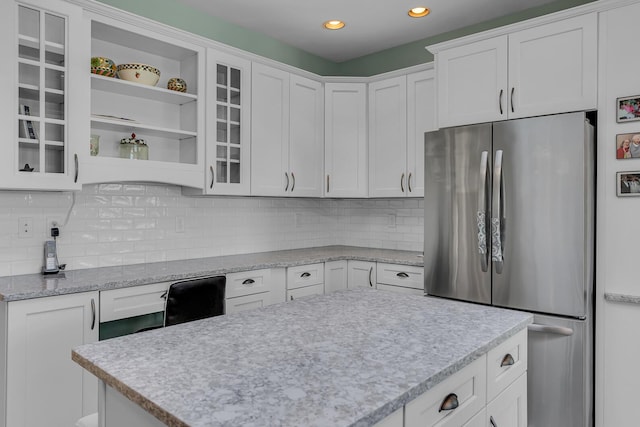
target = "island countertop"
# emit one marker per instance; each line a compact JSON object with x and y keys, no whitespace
{"x":349,"y":358}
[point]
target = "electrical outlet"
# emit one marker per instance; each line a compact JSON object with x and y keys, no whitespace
{"x":180,"y":224}
{"x":25,"y":227}
{"x":391,"y":220}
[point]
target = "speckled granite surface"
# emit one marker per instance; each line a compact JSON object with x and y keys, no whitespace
{"x":13,"y":288}
{"x":348,"y":358}
{"x":631,"y":299}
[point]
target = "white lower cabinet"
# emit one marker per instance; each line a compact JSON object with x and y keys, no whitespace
{"x":248,"y":290}
{"x":305,"y":280}
{"x":490,"y":391}
{"x":509,"y":409}
{"x":335,"y":275}
{"x":116,"y":304}
{"x":453,"y":402}
{"x":400,"y":278}
{"x":393,"y":420}
{"x":361,"y":274}
{"x":41,"y":385}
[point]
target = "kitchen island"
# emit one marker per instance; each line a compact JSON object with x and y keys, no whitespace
{"x":350,"y":358}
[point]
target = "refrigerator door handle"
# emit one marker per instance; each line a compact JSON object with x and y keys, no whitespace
{"x":497,"y":220}
{"x":558,"y":330}
{"x":481,"y":215}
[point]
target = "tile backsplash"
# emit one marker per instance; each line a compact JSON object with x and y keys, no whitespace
{"x":118,"y":224}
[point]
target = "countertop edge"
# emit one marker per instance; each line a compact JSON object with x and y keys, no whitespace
{"x":625,"y":298}
{"x":234,"y":264}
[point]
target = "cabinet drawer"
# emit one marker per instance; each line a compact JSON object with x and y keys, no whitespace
{"x":401,"y":289}
{"x":305,"y":275}
{"x":246,"y":302}
{"x":505,"y":363}
{"x":305,"y":292}
{"x":470,"y":387}
{"x":400,"y":275}
{"x":247,"y":283}
{"x":395,"y":419}
{"x":121,"y":303}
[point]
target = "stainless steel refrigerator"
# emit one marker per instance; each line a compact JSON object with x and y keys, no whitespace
{"x":509,"y":221}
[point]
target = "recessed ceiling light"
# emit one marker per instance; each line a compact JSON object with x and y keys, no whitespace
{"x":334,"y":24}
{"x":419,"y":12}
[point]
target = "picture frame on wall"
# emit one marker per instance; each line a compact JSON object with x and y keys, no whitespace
{"x":628,"y":109}
{"x":628,"y":184}
{"x":628,"y":145}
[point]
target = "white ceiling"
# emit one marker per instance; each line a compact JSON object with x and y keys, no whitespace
{"x":371,"y":25}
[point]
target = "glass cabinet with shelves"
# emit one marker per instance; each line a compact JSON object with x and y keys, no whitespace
{"x":169,"y":122}
{"x":227,"y":165}
{"x":43,"y":59}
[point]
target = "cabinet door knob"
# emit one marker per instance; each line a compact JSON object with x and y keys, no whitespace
{"x":327,"y":183}
{"x":286,"y":187}
{"x":449,"y":403}
{"x":291,"y":297}
{"x":293,"y":184}
{"x":402,"y":182}
{"x":492,"y":422}
{"x":500,"y":100}
{"x":249,"y":282}
{"x":370,"y":273}
{"x":305,"y":274}
{"x":213,"y":176}
{"x":402,"y":275}
{"x":507,"y":360}
{"x":409,"y":183}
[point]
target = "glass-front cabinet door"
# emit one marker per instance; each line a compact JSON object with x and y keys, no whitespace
{"x":228,"y":118}
{"x":42,"y":57}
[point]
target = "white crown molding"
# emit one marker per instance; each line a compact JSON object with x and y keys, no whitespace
{"x":597,"y":6}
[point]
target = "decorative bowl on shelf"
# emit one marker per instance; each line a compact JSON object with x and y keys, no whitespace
{"x":134,"y":148}
{"x":139,"y":73}
{"x":177,"y":84}
{"x":103,"y":66}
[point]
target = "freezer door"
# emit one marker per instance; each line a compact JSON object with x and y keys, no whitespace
{"x":560,"y":373}
{"x":457,"y":188}
{"x":543,"y":201}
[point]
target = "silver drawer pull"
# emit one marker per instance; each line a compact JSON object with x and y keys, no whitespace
{"x":402,"y":275}
{"x":449,"y":403}
{"x":249,"y":282}
{"x":305,"y":274}
{"x":507,"y":361}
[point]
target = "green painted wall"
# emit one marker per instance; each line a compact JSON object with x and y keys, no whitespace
{"x":415,"y":53}
{"x":172,"y":13}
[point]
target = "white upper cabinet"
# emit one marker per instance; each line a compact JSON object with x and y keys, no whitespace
{"x":286,"y":134}
{"x":401,"y":110}
{"x":388,"y":137}
{"x":550,"y":68}
{"x":421,"y":118}
{"x":228,"y":126}
{"x":345,"y":140}
{"x":306,"y":131}
{"x":170,"y":122}
{"x":43,"y":104}
{"x":553,"y":68}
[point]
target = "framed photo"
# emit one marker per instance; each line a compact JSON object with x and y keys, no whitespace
{"x":628,"y":109}
{"x":628,"y":184}
{"x":628,"y":145}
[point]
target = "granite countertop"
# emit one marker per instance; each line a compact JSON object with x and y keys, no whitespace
{"x":349,"y":358}
{"x":13,"y":288}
